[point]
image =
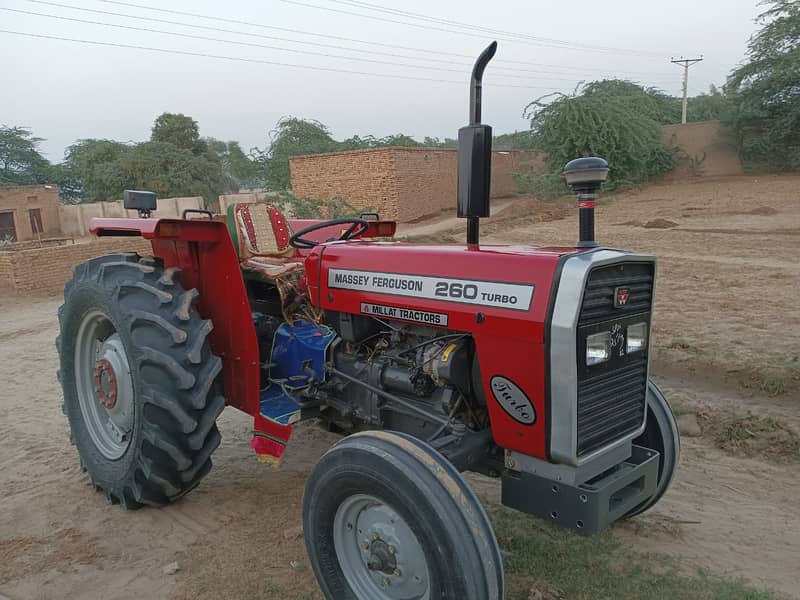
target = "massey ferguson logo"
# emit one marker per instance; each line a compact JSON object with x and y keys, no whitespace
{"x":621,"y":296}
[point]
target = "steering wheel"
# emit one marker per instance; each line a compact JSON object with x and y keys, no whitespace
{"x":357,"y":227}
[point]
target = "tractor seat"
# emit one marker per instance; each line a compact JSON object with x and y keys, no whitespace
{"x":260,"y":233}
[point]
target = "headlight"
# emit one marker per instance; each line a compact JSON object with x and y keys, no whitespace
{"x":637,"y":337}
{"x":598,"y":348}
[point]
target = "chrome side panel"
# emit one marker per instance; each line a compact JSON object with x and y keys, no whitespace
{"x":563,"y":354}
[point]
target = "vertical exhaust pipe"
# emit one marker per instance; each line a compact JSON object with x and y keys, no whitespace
{"x":585,"y":176}
{"x":475,"y":155}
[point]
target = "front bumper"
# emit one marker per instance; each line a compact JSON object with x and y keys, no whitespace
{"x":589,"y":507}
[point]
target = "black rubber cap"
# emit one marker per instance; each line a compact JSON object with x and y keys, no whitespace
{"x":586,"y":175}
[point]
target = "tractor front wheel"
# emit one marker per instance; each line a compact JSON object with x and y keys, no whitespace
{"x":386,"y":517}
{"x":141,"y":386}
{"x":661,"y":434}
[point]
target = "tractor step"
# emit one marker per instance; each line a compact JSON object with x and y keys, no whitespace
{"x":279,"y":406}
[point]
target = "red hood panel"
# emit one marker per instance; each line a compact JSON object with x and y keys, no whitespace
{"x":401,"y":281}
{"x":508,"y":285}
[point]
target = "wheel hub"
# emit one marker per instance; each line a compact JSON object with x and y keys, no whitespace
{"x":105,"y":383}
{"x":382,"y":557}
{"x":379,"y":554}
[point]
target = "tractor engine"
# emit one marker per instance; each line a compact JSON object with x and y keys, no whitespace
{"x":358,"y":372}
{"x":425,"y":371}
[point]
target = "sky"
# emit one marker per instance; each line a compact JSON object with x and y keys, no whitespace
{"x":361,"y":67}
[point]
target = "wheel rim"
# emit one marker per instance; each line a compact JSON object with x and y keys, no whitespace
{"x":104,"y":385}
{"x":379,"y":555}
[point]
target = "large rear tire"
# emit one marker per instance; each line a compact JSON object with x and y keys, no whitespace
{"x":141,"y":387}
{"x":386,"y":517}
{"x":661,"y":434}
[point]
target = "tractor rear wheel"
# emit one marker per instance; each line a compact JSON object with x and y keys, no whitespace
{"x":141,"y":386}
{"x":661,"y":434}
{"x":386,"y":517}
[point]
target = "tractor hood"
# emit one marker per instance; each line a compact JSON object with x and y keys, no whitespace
{"x":505,"y":289}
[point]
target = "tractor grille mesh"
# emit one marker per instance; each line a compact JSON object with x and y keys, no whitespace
{"x":598,"y":299}
{"x":611,"y":405}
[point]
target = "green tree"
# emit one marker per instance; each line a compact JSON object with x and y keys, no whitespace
{"x":95,"y":165}
{"x":104,"y":168}
{"x":617,"y":120}
{"x":765,"y":92}
{"x":706,"y":107}
{"x":648,"y":102}
{"x":237,"y":167}
{"x":168,"y":171}
{"x":519,"y":140}
{"x":68,"y":181}
{"x":292,"y":137}
{"x":177,"y":129}
{"x":398,"y":139}
{"x":20,"y":160}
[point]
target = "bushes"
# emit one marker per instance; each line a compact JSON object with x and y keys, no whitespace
{"x":617,"y":120}
{"x":765,"y":92}
{"x":313,"y":208}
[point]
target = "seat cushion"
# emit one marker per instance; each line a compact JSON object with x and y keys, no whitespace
{"x":262,"y":231}
{"x":271,"y":267}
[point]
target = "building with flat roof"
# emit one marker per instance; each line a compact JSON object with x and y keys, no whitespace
{"x":400,"y":183}
{"x":28,"y":212}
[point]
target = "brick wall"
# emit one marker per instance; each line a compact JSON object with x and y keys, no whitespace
{"x":75,"y":218}
{"x":426,"y":181}
{"x":364,"y":178}
{"x":714,"y":151}
{"x":48,"y":269}
{"x":401,"y":183}
{"x":6,"y":272}
{"x":505,"y":164}
{"x":19,"y":200}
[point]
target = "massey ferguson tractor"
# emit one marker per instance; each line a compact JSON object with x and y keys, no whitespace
{"x":525,"y":364}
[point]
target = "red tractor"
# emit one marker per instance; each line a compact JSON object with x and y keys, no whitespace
{"x":525,"y":364}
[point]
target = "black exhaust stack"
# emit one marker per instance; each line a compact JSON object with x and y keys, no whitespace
{"x":585,"y":176}
{"x":475,"y":155}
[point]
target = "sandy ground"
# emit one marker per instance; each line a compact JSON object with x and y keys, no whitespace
{"x":726,"y":293}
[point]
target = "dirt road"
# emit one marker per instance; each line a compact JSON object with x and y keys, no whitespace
{"x":726,"y":307}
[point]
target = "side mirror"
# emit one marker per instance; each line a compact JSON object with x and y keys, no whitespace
{"x":141,"y":201}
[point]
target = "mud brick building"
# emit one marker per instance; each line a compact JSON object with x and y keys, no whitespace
{"x":29,"y":212}
{"x":400,"y":183}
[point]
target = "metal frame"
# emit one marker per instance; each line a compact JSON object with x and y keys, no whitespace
{"x":591,"y":506}
{"x":563,"y":353}
{"x":572,"y":475}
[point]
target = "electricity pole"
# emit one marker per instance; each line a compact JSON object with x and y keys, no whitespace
{"x":686,"y":62}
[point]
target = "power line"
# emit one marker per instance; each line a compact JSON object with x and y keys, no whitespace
{"x":334,"y":37}
{"x":271,"y":37}
{"x":560,"y":44}
{"x":232,"y":31}
{"x":254,"y":45}
{"x":254,"y":60}
{"x":461,"y":24}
